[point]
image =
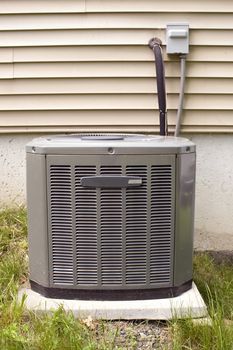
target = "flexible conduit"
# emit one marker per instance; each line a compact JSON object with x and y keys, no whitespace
{"x":181,"y":95}
{"x":155,"y":45}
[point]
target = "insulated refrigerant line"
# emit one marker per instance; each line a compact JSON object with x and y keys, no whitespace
{"x":155,"y":45}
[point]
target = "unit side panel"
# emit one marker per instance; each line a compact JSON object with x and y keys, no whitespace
{"x":185,"y":196}
{"x":37,"y":218}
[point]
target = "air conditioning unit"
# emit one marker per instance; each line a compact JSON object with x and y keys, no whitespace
{"x":110,"y":216}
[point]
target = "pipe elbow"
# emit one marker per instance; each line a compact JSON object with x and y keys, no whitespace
{"x":154,"y":42}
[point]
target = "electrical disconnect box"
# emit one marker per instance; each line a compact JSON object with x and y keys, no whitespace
{"x":177,"y":38}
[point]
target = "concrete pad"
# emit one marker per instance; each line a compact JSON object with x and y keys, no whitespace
{"x":189,"y":304}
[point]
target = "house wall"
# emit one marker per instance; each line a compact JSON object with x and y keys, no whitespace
{"x":70,"y":65}
{"x":85,"y":65}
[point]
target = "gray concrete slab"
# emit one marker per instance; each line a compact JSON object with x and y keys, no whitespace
{"x":189,"y":304}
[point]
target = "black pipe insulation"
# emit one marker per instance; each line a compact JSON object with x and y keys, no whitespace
{"x":155,"y":45}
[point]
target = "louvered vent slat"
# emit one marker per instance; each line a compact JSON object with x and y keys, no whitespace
{"x":111,"y":230}
{"x":161,"y":224}
{"x":136,"y":227}
{"x":61,"y":224}
{"x":86,"y":228}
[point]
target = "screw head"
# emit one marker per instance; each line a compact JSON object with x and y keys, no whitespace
{"x":111,"y":150}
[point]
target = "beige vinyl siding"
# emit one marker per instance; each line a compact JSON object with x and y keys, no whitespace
{"x":70,"y":6}
{"x":69,"y":65}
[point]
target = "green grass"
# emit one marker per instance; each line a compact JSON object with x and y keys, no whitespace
{"x":20,"y":329}
{"x":215,"y":282}
{"x":219,"y":279}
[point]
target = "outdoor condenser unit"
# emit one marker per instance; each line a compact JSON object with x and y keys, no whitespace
{"x":110,"y":216}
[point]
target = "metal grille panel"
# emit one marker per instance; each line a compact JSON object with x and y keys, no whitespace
{"x":86,"y":228}
{"x":161,"y":224}
{"x":107,"y":237}
{"x":111,"y":230}
{"x":136,"y":227}
{"x":61,"y":224}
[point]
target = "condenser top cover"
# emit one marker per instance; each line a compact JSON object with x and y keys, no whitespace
{"x":110,"y":144}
